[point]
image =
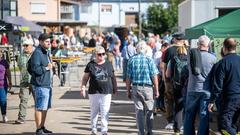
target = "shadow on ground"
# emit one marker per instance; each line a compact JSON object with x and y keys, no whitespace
{"x":29,"y":133}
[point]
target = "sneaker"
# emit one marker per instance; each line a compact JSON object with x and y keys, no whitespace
{"x":46,"y":131}
{"x":181,"y":128}
{"x":169,"y":126}
{"x":19,"y":121}
{"x":94,"y":133}
{"x":40,"y":132}
{"x":5,"y":119}
{"x":176,"y":133}
{"x":104,"y":134}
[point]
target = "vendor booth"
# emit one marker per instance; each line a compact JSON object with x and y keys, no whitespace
{"x":218,"y":29}
{"x":14,"y":26}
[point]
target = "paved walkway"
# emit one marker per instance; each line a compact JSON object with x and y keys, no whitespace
{"x":70,"y":113}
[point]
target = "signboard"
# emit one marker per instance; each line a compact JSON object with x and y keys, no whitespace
{"x":5,"y":27}
{"x":24,"y":28}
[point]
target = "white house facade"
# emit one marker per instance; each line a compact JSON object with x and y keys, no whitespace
{"x":194,"y":12}
{"x":110,"y":13}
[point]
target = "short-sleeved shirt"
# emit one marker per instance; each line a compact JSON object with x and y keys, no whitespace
{"x":196,"y":82}
{"x":140,"y":69}
{"x":100,"y":77}
{"x":170,"y":53}
{"x":3,"y":73}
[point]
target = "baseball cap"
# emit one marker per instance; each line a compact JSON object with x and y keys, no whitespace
{"x":179,"y":36}
{"x":43,"y":37}
{"x":27,"y":42}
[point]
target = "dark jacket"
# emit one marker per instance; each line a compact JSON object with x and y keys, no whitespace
{"x":41,"y":77}
{"x":227,"y":78}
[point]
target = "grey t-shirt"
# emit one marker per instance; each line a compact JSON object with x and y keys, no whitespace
{"x":196,"y":83}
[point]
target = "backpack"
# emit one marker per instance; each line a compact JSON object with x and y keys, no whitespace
{"x":179,"y":65}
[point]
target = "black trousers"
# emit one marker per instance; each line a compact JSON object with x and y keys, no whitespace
{"x":229,"y":115}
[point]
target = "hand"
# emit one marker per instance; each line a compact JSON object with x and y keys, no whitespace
{"x":210,"y":106}
{"x":50,"y":66}
{"x":83,"y":91}
{"x":156,"y":95}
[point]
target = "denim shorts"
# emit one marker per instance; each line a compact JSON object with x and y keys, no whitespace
{"x":43,"y":97}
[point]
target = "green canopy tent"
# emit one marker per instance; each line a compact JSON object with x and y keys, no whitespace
{"x":218,"y":29}
{"x":221,"y":27}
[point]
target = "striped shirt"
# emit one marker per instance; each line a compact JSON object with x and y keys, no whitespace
{"x":140,"y":69}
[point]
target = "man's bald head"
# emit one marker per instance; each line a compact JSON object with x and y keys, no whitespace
{"x":230,"y":44}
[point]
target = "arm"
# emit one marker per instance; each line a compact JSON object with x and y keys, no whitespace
{"x":9,"y":78}
{"x":163,"y":69}
{"x":155,"y":86}
{"x":114,"y":83}
{"x":85,"y":79}
{"x":168,"y":70}
{"x":37,"y":67}
{"x":128,"y":86}
{"x":154,"y":76}
{"x":217,"y":86}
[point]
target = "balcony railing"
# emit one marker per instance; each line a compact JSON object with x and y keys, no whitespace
{"x":66,"y":9}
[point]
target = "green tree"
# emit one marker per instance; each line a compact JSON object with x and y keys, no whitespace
{"x":160,"y":19}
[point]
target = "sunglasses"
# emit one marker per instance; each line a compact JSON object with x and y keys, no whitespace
{"x":25,"y":45}
{"x":101,"y":54}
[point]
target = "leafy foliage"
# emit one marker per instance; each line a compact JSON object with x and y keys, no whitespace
{"x":160,"y":19}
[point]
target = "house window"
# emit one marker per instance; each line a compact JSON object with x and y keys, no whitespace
{"x":86,"y":8}
{"x":13,"y":8}
{"x":38,"y":8}
{"x":106,"y":8}
{"x":8,"y":8}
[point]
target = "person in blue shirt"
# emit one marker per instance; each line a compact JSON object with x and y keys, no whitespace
{"x":142,"y":87}
{"x":227,"y":84}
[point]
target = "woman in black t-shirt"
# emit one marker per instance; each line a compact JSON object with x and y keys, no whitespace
{"x":101,"y":85}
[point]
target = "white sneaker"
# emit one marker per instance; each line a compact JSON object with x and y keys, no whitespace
{"x":181,"y":128}
{"x":94,"y":132}
{"x":5,"y":119}
{"x":169,"y":126}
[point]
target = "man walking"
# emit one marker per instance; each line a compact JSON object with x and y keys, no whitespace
{"x":197,"y":94}
{"x":41,"y":71}
{"x":142,"y":87}
{"x":25,"y":88}
{"x":170,"y":53}
{"x":227,"y":85}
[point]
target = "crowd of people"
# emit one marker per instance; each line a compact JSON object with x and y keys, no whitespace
{"x":166,"y":74}
{"x":162,"y":74}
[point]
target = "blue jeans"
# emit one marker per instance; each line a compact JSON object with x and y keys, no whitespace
{"x":3,"y":100}
{"x":118,"y":62}
{"x":43,"y":97}
{"x":196,"y":101}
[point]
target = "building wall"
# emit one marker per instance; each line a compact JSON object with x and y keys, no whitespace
{"x":50,"y":11}
{"x":115,"y":18}
{"x":194,"y":12}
